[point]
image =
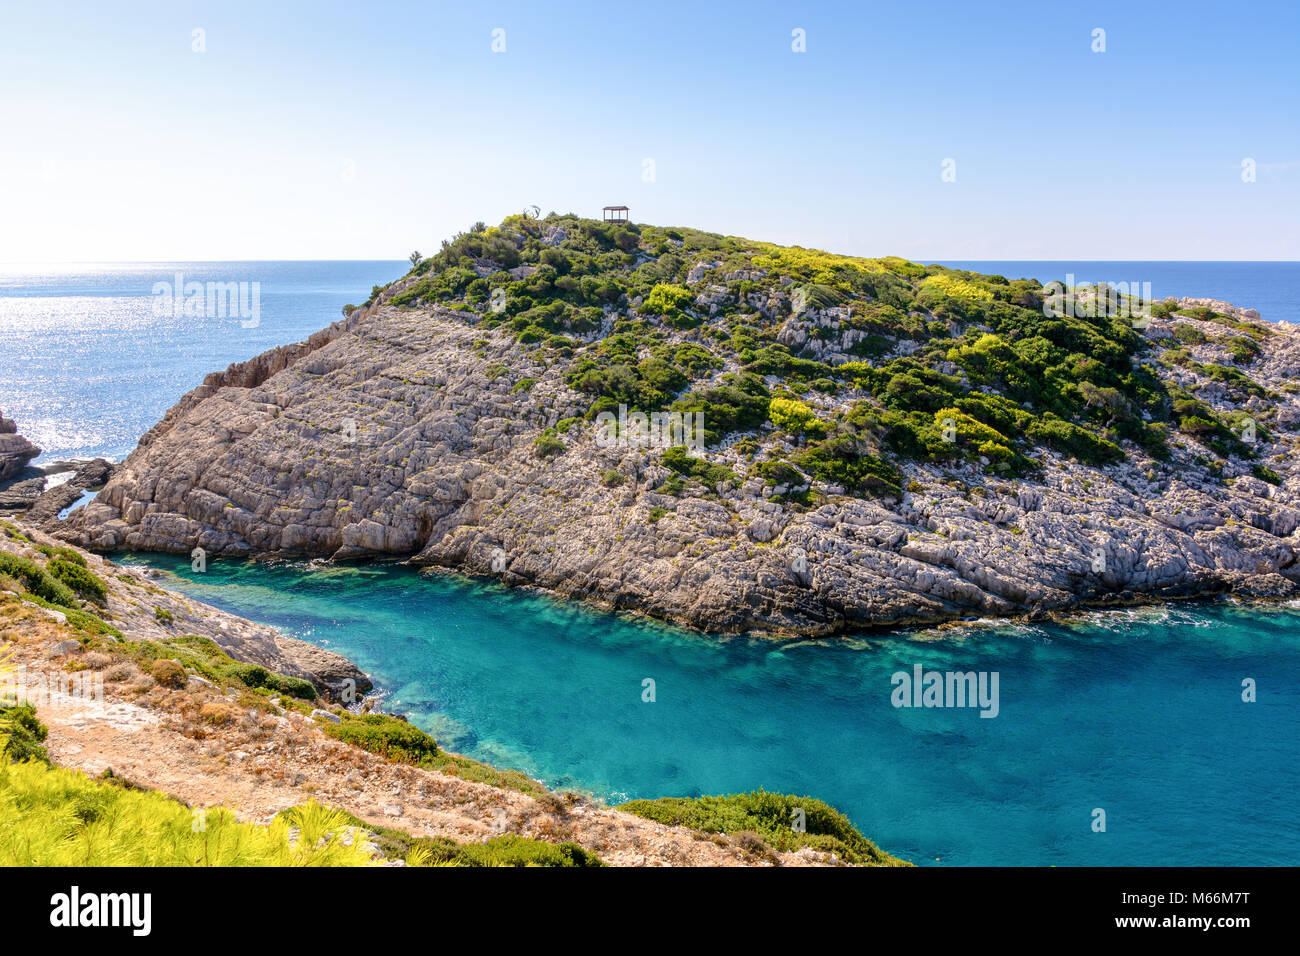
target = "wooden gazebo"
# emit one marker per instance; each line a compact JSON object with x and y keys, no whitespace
{"x":616,"y":213}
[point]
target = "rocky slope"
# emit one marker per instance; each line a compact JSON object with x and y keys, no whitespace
{"x":220,"y":744}
{"x":134,"y":605}
{"x":887,"y":443}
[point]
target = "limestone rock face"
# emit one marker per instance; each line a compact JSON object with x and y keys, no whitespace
{"x":411,"y":433}
{"x":15,"y":450}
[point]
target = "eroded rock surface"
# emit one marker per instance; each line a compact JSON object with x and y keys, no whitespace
{"x":410,"y":432}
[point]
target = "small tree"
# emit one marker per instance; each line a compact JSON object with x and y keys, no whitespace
{"x":415,"y":259}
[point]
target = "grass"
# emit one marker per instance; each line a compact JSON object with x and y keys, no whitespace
{"x":52,"y":816}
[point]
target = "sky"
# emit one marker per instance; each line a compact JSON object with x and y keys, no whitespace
{"x":931,"y":130}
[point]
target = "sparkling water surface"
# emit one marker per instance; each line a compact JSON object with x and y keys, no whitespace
{"x":87,"y":366}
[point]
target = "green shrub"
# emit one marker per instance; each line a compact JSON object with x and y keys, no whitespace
{"x":512,"y":850}
{"x":547,"y":444}
{"x":505,"y":850}
{"x":839,"y":461}
{"x":37,"y":580}
{"x":772,"y":815}
{"x":257,"y":676}
{"x":706,"y":473}
{"x":384,"y":735}
{"x":740,"y":404}
{"x":204,"y":657}
{"x":1264,"y":473}
{"x":1072,"y":440}
{"x":21,"y":734}
{"x":790,"y":415}
{"x":11,"y":531}
{"x":667,"y":300}
{"x":79,"y":578}
{"x":67,"y":554}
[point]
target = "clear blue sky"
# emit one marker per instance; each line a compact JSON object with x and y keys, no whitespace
{"x":118,"y":142}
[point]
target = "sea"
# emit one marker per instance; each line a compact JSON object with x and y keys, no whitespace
{"x":1159,"y":736}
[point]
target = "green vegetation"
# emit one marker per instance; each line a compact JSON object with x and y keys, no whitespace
{"x":51,"y":816}
{"x":202,"y":656}
{"x":21,"y":734}
{"x":775,"y":818}
{"x":387,"y":736}
{"x":738,"y":405}
{"x":76,"y":576}
{"x":396,"y":739}
{"x":505,"y":850}
{"x":548,"y":444}
{"x":1264,"y":473}
{"x":706,"y":473}
{"x":993,"y":373}
{"x":36,"y":579}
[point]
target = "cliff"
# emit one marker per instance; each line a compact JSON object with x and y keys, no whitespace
{"x":881,"y":443}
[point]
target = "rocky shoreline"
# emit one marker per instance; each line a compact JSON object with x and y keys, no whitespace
{"x":135,"y":604}
{"x":412,"y":431}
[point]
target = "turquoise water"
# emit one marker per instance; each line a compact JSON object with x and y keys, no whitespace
{"x":1137,"y":712}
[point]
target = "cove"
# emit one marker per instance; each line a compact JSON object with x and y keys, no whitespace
{"x":1136,"y":712}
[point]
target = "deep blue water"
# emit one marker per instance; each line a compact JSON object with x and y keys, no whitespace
{"x":86,"y":367}
{"x":1138,"y":713}
{"x":1272,"y":288}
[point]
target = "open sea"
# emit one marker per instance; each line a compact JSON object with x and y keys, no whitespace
{"x":1136,"y":713}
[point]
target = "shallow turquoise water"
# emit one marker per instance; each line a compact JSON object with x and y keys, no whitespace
{"x":1138,"y":713}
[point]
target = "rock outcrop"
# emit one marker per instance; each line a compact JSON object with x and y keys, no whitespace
{"x":139,"y":608}
{"x":411,"y":431}
{"x":52,"y":501}
{"x":15,"y":450}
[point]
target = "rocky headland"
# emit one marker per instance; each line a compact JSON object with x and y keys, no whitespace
{"x":884,"y":443}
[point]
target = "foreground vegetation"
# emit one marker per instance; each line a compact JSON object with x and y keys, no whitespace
{"x":53,"y":816}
